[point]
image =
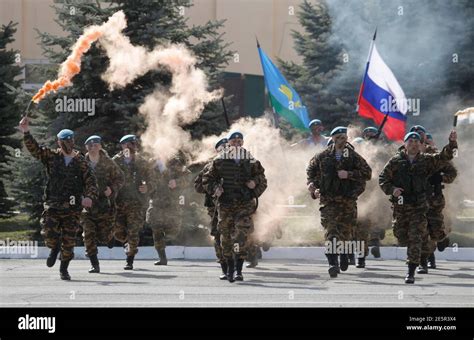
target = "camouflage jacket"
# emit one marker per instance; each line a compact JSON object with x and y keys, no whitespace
{"x":232,"y":168}
{"x":447,"y":174}
{"x":66,"y":184}
{"x":108,"y":174}
{"x":322,"y":172}
{"x":175,"y":169}
{"x":136,"y":173}
{"x":413,"y":177}
{"x":199,"y":187}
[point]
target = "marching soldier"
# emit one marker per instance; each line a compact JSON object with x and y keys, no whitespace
{"x":164,"y":214}
{"x":370,"y":133}
{"x":209,"y":203}
{"x":405,"y":179}
{"x":438,"y":233}
{"x":235,"y":178}
{"x":132,"y":198}
{"x":98,"y":221}
{"x":370,"y":227}
{"x":316,"y":138}
{"x":71,"y":185}
{"x":337,"y":176}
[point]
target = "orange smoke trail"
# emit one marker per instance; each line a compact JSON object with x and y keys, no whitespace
{"x":70,"y":67}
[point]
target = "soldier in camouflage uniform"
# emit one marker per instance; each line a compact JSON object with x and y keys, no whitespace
{"x":236,"y":179}
{"x":337,"y":176}
{"x":438,"y":233}
{"x":370,"y":229}
{"x":132,"y":199}
{"x":405,"y":179}
{"x":71,"y":186}
{"x":164,"y":214}
{"x":316,"y":138}
{"x":98,"y":221}
{"x":212,"y":210}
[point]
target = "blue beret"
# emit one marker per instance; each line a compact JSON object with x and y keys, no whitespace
{"x":338,"y":130}
{"x":429,"y":136}
{"x":358,"y":140}
{"x":128,"y":138}
{"x":416,"y":128}
{"x":236,"y":134}
{"x":220,"y":142}
{"x":370,"y":129}
{"x":65,"y":134}
{"x":93,"y":139}
{"x":412,"y":135}
{"x":314,"y":121}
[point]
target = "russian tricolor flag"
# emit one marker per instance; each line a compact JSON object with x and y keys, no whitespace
{"x":381,"y":94}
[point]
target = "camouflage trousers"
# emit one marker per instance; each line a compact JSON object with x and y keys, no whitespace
{"x":338,"y":218}
{"x":362,"y":233}
{"x":410,"y":228}
{"x":97,"y":228}
{"x":212,"y":212}
{"x":252,"y":250}
{"x":163,"y":221}
{"x":436,"y":227}
{"x":59,"y":228}
{"x":366,"y":233}
{"x":235,"y":225}
{"x":128,"y":223}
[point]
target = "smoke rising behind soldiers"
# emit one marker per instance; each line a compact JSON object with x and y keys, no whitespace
{"x":168,"y":109}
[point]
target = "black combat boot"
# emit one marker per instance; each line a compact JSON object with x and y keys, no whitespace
{"x":252,"y":263}
{"x":53,"y":255}
{"x":333,"y":265}
{"x":238,"y":275}
{"x":443,"y":244}
{"x":410,"y":278}
{"x":111,"y":243}
{"x":224,"y":271}
{"x":63,"y":273}
{"x":129,"y":264}
{"x":95,"y":264}
{"x":230,"y":270}
{"x":375,"y":250}
{"x":423,"y":268}
{"x":432,"y":261}
{"x":360,"y":262}
{"x":344,"y":262}
{"x":163,"y":260}
{"x":352,"y":259}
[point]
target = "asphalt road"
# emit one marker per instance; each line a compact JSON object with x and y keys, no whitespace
{"x":273,"y":283}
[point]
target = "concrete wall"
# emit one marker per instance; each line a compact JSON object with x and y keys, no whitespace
{"x":270,"y":20}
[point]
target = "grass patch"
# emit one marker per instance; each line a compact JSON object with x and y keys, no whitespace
{"x":20,"y":235}
{"x":15,"y":223}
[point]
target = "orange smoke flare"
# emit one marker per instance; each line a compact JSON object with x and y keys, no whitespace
{"x":70,"y":67}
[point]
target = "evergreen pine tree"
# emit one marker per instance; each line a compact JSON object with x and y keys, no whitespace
{"x":9,"y":72}
{"x":148,"y":23}
{"x":322,"y":60}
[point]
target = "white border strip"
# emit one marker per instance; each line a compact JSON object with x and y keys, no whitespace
{"x":207,"y":253}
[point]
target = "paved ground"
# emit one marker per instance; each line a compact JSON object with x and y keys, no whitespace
{"x":195,"y":283}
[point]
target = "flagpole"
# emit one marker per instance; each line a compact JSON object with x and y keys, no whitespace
{"x":371,"y":48}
